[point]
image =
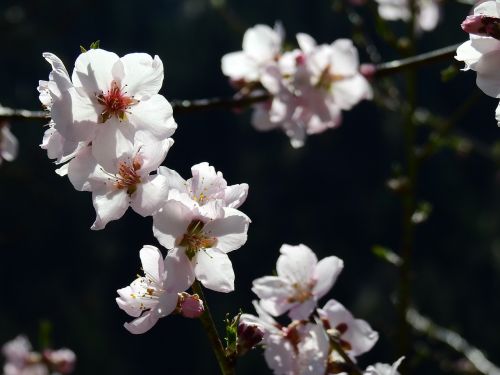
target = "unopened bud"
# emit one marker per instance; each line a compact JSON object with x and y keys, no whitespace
{"x":249,"y":335}
{"x":368,"y":71}
{"x":190,"y":306}
{"x":482,"y":25}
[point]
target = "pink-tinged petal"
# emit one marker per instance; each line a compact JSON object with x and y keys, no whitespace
{"x":280,"y":355}
{"x":113,"y":140}
{"x":150,"y":195}
{"x":303,"y":310}
{"x":167,"y":304}
{"x":109,"y":205}
{"x":240,"y":66}
{"x":143,"y":75}
{"x":93,"y":70}
{"x":55,"y":62}
{"x":428,"y":17}
{"x":261,"y":43}
{"x":349,"y":92}
{"x":325,"y":274}
{"x":359,"y":334}
{"x":174,"y":179}
{"x":179,"y":271}
{"x":272,"y":287}
{"x":123,"y":301}
{"x":214,"y":270}
{"x":171,"y":222}
{"x":313,"y":350}
{"x":306,"y":42}
{"x":488,"y":76}
{"x":153,"y":116}
{"x":81,"y":170}
{"x":296,"y":263}
{"x":230,"y":231}
{"x":8,"y":144}
{"x":151,"y":155}
{"x":142,"y":324}
{"x":235,"y":195}
{"x":75,"y":116}
{"x":487,"y":8}
{"x":152,"y":262}
{"x":344,"y":57}
{"x":261,"y":120}
{"x":471,"y":51}
{"x":206,"y":181}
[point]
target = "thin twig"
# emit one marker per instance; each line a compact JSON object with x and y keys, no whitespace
{"x":186,"y":106}
{"x":355,"y":370}
{"x":226,"y":366}
{"x":424,"y":325}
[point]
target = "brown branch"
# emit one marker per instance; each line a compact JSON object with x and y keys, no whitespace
{"x":186,"y":106}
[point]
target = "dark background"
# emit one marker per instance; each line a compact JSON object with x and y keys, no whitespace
{"x":329,"y":195}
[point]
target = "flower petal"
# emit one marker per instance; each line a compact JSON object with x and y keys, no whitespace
{"x":325,"y":274}
{"x":214,"y":270}
{"x":109,"y":205}
{"x":150,"y":195}
{"x":171,"y":222}
{"x":142,"y":324}
{"x":143,"y":74}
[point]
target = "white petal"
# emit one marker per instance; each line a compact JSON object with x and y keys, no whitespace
{"x":280,"y":356}
{"x":344,"y":58}
{"x":143,"y":75}
{"x":151,"y":155}
{"x":93,"y":70}
{"x":175,"y":181}
{"x":150,"y":195}
{"x":240,"y":66}
{"x":235,"y":195}
{"x":488,"y":76}
{"x":179,"y":271}
{"x":153,"y":117}
{"x":109,"y":205}
{"x":152,"y":262}
{"x":171,"y":222}
{"x":230,"y":231}
{"x":142,"y":324}
{"x":81,"y":170}
{"x":8,"y":144}
{"x":261,"y":43}
{"x":325,"y":274}
{"x":214,"y":270}
{"x":349,"y":92}
{"x":167,"y":304}
{"x":296,"y":263}
{"x":114,"y":140}
{"x":303,"y":310}
{"x":306,"y":42}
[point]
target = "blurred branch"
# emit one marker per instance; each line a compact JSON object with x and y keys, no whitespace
{"x":424,"y":325}
{"x":185,"y":106}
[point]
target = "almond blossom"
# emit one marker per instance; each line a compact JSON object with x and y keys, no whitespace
{"x":355,"y":335}
{"x":300,"y":282}
{"x":206,"y":185}
{"x":310,"y":88}
{"x":122,"y":182}
{"x":200,"y":239}
{"x":427,"y":17}
{"x":297,"y":349}
{"x":152,"y":296}
{"x":8,"y":143}
{"x":109,"y":101}
{"x":482,"y":54}
{"x":384,"y":369}
{"x":262,"y":45}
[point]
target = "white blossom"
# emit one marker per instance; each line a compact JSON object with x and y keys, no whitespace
{"x":384,"y":369}
{"x":428,"y":12}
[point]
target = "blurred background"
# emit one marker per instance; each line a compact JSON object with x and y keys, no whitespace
{"x":330,"y":195}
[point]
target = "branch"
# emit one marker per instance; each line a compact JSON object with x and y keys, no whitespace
{"x":186,"y":106}
{"x":452,"y":339}
{"x":396,"y":66}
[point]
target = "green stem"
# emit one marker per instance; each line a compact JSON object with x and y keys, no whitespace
{"x":226,"y":366}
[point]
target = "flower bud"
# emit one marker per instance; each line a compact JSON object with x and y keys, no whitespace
{"x":482,"y":25}
{"x":368,"y":71}
{"x":190,"y":306}
{"x":61,"y":361}
{"x":249,"y":335}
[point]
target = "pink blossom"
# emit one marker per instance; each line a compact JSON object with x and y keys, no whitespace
{"x":199,"y":239}
{"x":122,"y":182}
{"x":61,"y":361}
{"x":300,"y":282}
{"x":190,"y":306}
{"x":152,"y":296}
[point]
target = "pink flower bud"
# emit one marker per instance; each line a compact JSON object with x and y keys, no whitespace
{"x":249,"y":335}
{"x":368,"y":70}
{"x":190,"y":306}
{"x":482,"y":25}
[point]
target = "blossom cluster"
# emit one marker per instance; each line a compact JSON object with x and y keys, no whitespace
{"x":22,"y":360}
{"x":110,"y":132}
{"x":304,"y":345}
{"x":482,"y":52}
{"x":309,"y":86}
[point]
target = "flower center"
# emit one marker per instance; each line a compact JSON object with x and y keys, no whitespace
{"x":127,"y":177}
{"x":195,"y":239}
{"x":327,"y":79}
{"x":302,"y":292}
{"x":115,"y":102}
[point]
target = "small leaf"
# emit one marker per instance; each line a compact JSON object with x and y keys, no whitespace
{"x":232,"y":334}
{"x":95,"y":45}
{"x":388,"y":255}
{"x":82,"y":49}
